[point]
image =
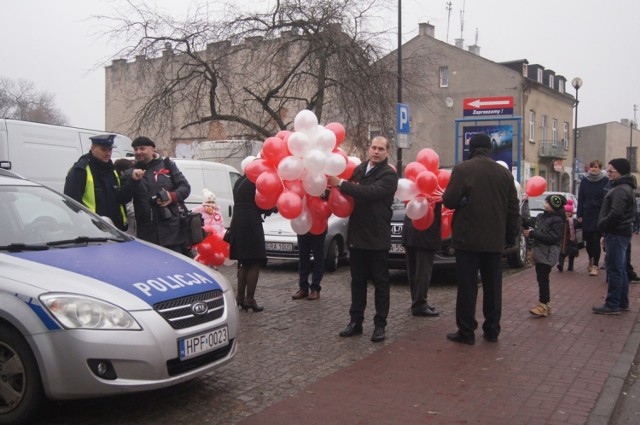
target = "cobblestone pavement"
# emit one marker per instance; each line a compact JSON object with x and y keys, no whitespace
{"x":281,"y":351}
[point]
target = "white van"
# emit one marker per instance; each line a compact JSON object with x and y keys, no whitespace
{"x":44,"y":153}
{"x":217,"y":177}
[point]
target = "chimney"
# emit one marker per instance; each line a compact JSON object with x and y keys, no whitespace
{"x":425,"y":28}
{"x":460,"y":43}
{"x":475,"y":49}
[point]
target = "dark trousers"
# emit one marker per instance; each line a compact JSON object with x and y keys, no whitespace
{"x":542,"y":276}
{"x":307,"y":244}
{"x":468,"y":263}
{"x":365,"y":265}
{"x":419,"y":271}
{"x":592,"y":245}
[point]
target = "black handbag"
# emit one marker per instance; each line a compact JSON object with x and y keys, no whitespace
{"x":192,"y":227}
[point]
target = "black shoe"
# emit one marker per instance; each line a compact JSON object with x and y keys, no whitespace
{"x":605,"y":310}
{"x":426,"y":312}
{"x":625,"y":308}
{"x":559,"y":268}
{"x":457,"y":337}
{"x":352,"y":329}
{"x":489,"y":338}
{"x":378,"y":334}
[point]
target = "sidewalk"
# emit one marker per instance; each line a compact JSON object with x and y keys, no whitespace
{"x":568,"y":368}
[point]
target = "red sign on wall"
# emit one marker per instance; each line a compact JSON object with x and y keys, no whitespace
{"x":477,"y":106}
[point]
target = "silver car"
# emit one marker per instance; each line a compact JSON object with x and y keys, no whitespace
{"x":89,"y":311}
{"x":281,"y":242}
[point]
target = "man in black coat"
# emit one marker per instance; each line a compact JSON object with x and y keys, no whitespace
{"x":486,"y":219}
{"x":372,"y":186}
{"x":158,"y":189}
{"x":94,"y":182}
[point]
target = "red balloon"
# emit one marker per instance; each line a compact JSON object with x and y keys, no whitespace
{"x":429,"y":158}
{"x":319,"y":206}
{"x":426,"y":182}
{"x":348,"y":172}
{"x":217,"y":259}
{"x":536,"y":186}
{"x":274,"y":149}
{"x":443,"y":177}
{"x":269,"y":184}
{"x":283,"y":134}
{"x":413,"y":169}
{"x":342,"y":153}
{"x":445,"y":226}
{"x":425,"y":222}
{"x":266,"y":202}
{"x":341,"y":205}
{"x":257,"y":167}
{"x":318,"y":224}
{"x":338,"y":130}
{"x":295,"y":186}
{"x":289,"y":205}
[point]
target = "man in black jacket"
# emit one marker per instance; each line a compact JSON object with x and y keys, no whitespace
{"x":615,"y":222}
{"x":486,"y":219}
{"x":372,"y":186}
{"x":158,"y":189}
{"x":94,"y":182}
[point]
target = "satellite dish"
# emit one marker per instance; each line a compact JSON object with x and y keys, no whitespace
{"x":449,"y":102}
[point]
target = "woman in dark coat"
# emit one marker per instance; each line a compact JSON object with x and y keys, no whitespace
{"x":246,"y":239}
{"x":590,"y":195}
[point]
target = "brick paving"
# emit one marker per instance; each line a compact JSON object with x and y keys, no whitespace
{"x":292,"y":367}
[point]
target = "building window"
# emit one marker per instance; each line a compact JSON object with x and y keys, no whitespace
{"x":532,"y":126}
{"x":525,"y":69}
{"x":555,"y":131}
{"x":444,"y":76}
{"x":540,"y":75}
{"x":565,"y":136}
{"x":561,"y":88}
{"x":543,"y":127}
{"x":552,"y":81}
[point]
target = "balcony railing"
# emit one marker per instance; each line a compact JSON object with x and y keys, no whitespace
{"x":550,"y":149}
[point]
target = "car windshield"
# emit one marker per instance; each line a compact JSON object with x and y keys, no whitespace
{"x":537,"y":203}
{"x":35,"y":217}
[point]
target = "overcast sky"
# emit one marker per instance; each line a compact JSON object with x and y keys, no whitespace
{"x":53,"y":44}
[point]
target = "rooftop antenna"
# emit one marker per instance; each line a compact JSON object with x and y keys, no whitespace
{"x":476,"y":36}
{"x":448,"y":18}
{"x":462,"y":20}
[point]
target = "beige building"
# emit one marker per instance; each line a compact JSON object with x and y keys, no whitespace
{"x":439,"y":77}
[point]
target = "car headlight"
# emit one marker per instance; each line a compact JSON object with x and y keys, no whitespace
{"x":82,"y":312}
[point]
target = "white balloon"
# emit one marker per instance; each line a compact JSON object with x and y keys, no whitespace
{"x":246,"y":161}
{"x":504,"y":164}
{"x":406,"y":189}
{"x":299,"y":144}
{"x":355,"y":160}
{"x":325,"y":140}
{"x":305,"y":120}
{"x":290,"y":168}
{"x":302,"y":223}
{"x":417,"y":208}
{"x":334,"y":165}
{"x":314,"y":161}
{"x":314,"y":183}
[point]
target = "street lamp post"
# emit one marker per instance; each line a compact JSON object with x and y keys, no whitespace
{"x":576,"y":83}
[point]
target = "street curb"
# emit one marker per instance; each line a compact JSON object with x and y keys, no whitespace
{"x":602,"y":412}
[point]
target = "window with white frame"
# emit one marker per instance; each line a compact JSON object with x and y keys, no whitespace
{"x":565,"y":136}
{"x":525,"y":69}
{"x":555,"y":131}
{"x":444,"y":76}
{"x":561,"y":87}
{"x":552,"y":81}
{"x":540,"y":75}
{"x":543,"y":127}
{"x":532,"y":126}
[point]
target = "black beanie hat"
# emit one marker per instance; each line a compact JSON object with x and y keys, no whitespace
{"x":557,"y":202}
{"x":621,"y":165}
{"x":479,"y":140}
{"x":142,"y":141}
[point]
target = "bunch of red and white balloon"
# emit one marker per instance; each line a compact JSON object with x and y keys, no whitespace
{"x":291,"y":173}
{"x":213,"y":250}
{"x":422,"y":188}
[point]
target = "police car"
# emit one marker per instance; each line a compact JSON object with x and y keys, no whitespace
{"x":86,"y":310}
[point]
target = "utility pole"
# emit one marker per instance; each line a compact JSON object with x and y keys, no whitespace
{"x":399,"y":161}
{"x":448,"y":18}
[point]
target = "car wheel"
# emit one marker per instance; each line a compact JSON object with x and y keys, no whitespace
{"x":333,"y":256}
{"x":518,"y":259}
{"x":21,"y":392}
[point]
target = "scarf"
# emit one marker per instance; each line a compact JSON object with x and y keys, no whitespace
{"x":594,"y":177}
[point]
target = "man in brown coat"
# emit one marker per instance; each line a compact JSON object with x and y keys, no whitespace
{"x":486,"y":219}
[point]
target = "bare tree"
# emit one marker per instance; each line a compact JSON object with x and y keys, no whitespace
{"x":20,"y":100}
{"x":255,"y":71}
